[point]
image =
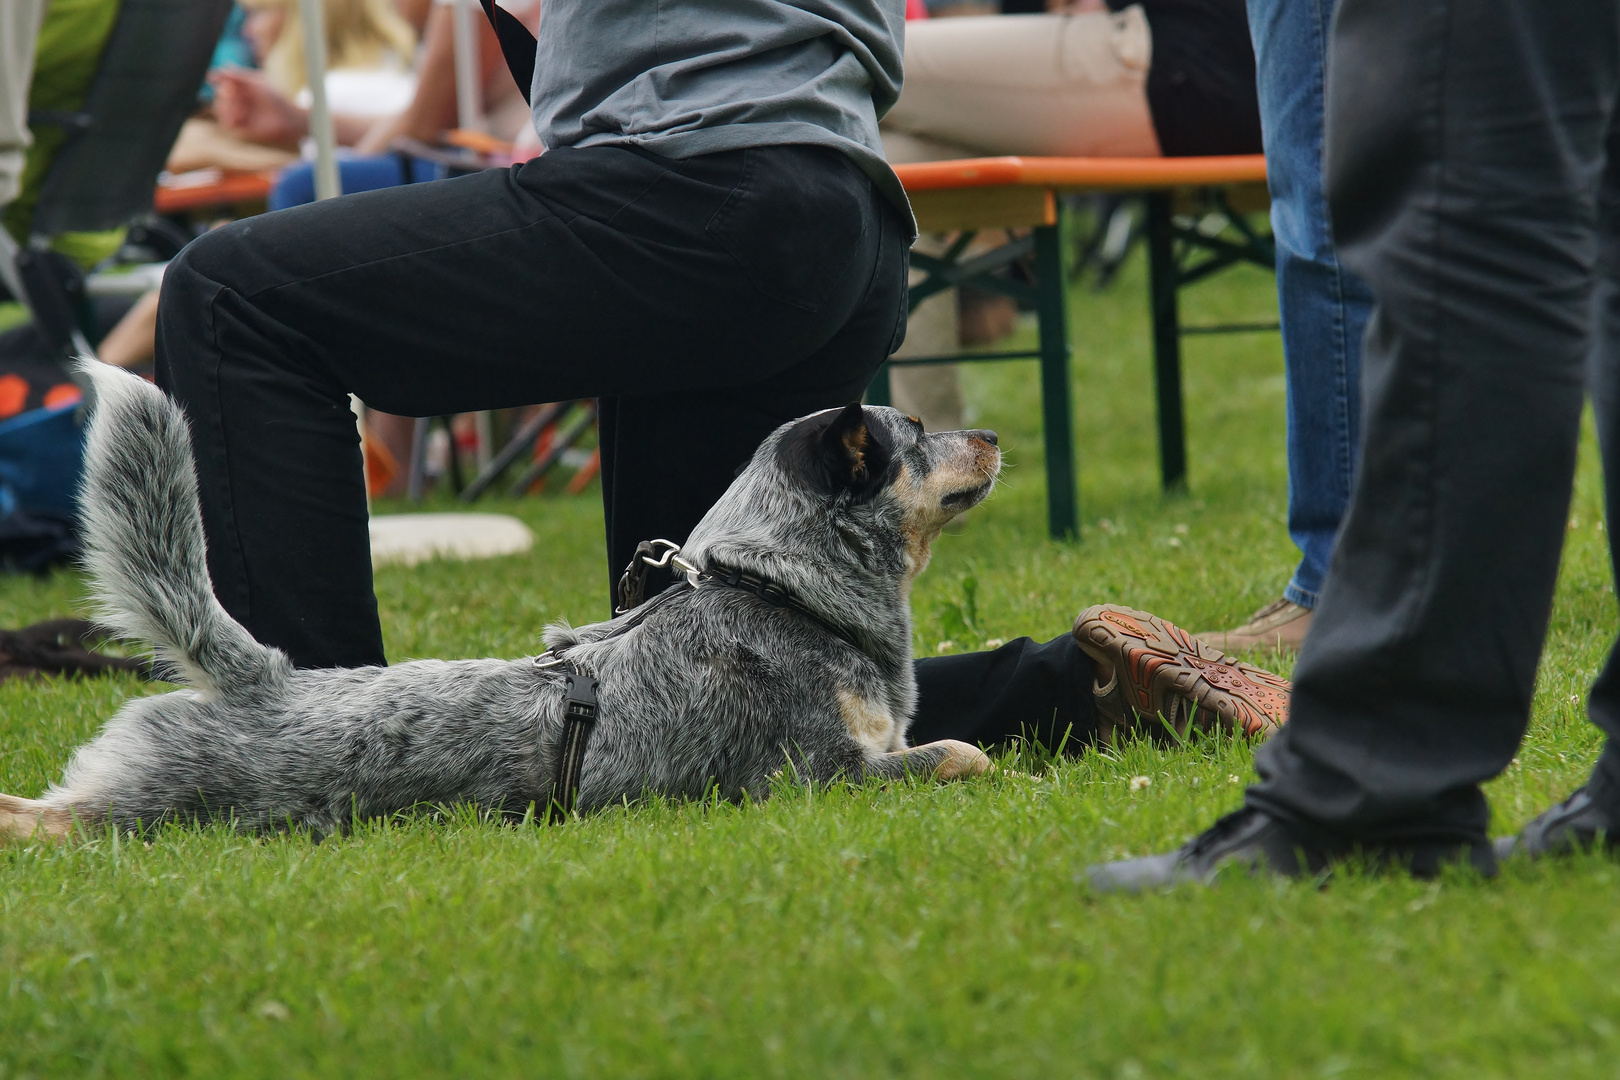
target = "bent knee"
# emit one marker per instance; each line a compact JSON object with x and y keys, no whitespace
{"x":210,"y":261}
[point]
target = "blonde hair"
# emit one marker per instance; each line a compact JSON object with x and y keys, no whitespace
{"x":359,"y":34}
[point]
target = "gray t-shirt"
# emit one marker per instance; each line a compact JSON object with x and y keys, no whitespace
{"x":688,"y":77}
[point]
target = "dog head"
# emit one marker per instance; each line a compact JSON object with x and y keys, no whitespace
{"x":880,"y":459}
{"x":844,"y":504}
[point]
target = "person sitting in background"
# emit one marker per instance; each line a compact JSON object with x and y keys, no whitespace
{"x":19,"y":27}
{"x":369,"y":51}
{"x":433,"y":109}
{"x":66,"y":54}
{"x":1159,"y":77}
{"x":261,"y":115}
{"x":65,"y":51}
{"x":258,"y":107}
{"x":1171,"y":77}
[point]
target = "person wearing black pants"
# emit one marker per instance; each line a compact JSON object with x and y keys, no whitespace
{"x":1472,"y":171}
{"x":705,"y":300}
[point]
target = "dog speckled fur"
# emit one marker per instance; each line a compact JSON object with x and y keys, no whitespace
{"x":713,"y":689}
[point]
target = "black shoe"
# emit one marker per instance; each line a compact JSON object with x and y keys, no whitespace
{"x":1576,"y":824}
{"x":1265,"y":844}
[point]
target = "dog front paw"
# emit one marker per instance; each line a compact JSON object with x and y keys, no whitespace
{"x":961,"y":760}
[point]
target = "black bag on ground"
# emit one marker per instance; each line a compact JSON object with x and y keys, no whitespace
{"x":62,"y":647}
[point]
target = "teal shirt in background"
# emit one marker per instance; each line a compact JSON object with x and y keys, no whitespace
{"x":687,"y":77}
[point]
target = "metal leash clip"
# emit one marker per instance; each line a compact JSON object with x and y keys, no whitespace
{"x":673,"y":557}
{"x":671,"y":549}
{"x":650,"y":555}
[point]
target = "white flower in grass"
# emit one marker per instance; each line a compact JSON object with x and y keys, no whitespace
{"x":1230,"y":779}
{"x":1140,"y":782}
{"x":274,"y":1010}
{"x":993,"y":643}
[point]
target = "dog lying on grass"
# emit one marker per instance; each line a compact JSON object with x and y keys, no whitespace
{"x":707,"y":687}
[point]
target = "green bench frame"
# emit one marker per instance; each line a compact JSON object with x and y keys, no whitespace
{"x":963,"y":197}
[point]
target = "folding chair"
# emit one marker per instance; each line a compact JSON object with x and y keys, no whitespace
{"x":105,"y":174}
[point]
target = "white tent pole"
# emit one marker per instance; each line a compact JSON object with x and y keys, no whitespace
{"x":469,"y":99}
{"x":470,"y":117}
{"x":313,"y":16}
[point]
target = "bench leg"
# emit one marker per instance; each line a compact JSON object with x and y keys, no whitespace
{"x":1057,"y":410}
{"x":1166,"y":343}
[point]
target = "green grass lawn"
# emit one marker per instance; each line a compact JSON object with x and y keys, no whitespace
{"x":903,"y":929}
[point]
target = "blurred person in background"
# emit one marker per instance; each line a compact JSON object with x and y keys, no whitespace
{"x":261,"y":114}
{"x":19,"y":29}
{"x":66,"y":51}
{"x":1322,"y":306}
{"x":1171,"y":77}
{"x":370,"y":52}
{"x":376,"y":160}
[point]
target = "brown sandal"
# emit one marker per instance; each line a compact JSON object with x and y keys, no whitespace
{"x":1161,"y":671}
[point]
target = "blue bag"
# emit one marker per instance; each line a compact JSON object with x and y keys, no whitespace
{"x":41,"y":454}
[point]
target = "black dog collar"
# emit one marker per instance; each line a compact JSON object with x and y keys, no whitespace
{"x":772,"y":593}
{"x":660,"y":554}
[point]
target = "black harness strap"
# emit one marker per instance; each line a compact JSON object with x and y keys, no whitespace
{"x":579,"y":717}
{"x":517,"y":44}
{"x":580,"y":710}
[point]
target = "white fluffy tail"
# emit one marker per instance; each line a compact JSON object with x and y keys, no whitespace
{"x":143,"y":539}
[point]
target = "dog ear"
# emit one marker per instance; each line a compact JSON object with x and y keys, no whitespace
{"x":848,"y":451}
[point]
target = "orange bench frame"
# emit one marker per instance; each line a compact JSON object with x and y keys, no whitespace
{"x":1023,"y":193}
{"x":231,"y":189}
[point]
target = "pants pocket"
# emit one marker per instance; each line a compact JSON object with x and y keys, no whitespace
{"x":798,"y":221}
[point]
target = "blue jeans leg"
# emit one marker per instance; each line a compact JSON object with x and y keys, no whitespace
{"x":295,"y":185}
{"x":1324,"y":308}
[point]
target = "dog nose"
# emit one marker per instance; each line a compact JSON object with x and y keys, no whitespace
{"x":985,"y":436}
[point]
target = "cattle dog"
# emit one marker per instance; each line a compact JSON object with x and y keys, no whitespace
{"x":710,"y":689}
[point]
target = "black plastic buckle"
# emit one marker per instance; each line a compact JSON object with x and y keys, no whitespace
{"x":579,"y":700}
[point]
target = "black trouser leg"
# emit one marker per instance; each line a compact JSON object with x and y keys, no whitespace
{"x":1021,"y":690}
{"x":659,"y":481}
{"x":1603,"y":374}
{"x":1465,"y":147}
{"x":716,"y":284}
